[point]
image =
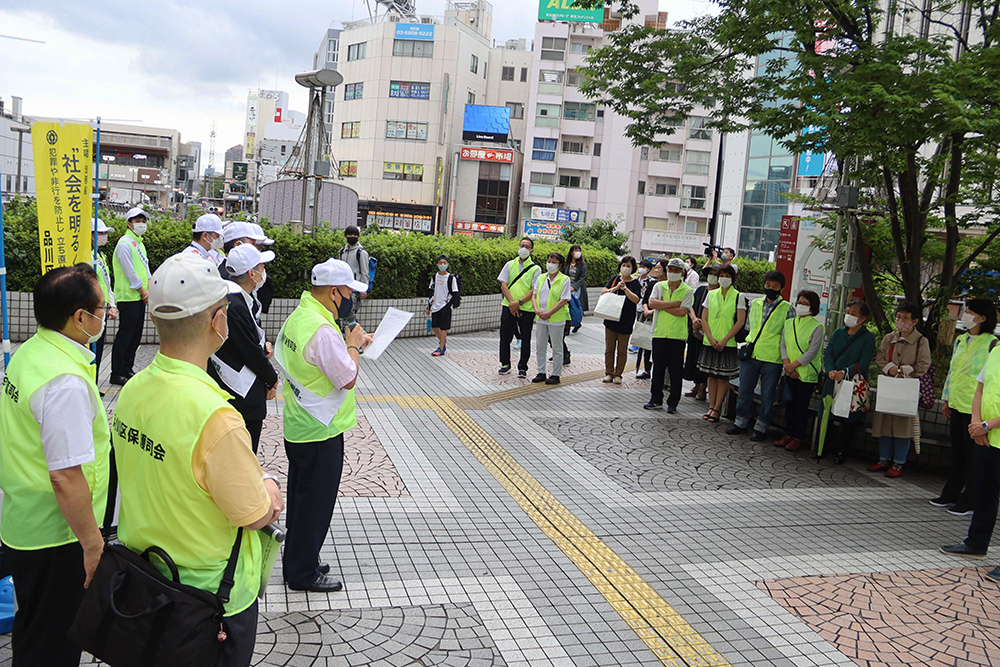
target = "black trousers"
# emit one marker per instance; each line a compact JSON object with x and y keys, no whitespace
{"x":131,"y":318}
{"x":985,"y":492}
{"x":956,"y":489}
{"x":255,"y":426}
{"x":839,"y":435}
{"x":643,"y":358}
{"x":668,"y":356}
{"x":797,"y":407}
{"x":523,"y":324}
{"x":314,"y":470}
{"x":691,"y":371}
{"x":241,"y":631}
{"x":49,"y":588}
{"x":99,"y":354}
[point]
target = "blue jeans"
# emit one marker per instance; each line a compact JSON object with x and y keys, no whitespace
{"x":893,"y":449}
{"x":750,"y":371}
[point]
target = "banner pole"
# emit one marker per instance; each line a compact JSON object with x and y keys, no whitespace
{"x":3,"y":296}
{"x":96,"y":194}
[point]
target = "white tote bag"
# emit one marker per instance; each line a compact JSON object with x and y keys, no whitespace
{"x":609,"y":306}
{"x":842,"y":396}
{"x":897,"y":396}
{"x":642,"y":335}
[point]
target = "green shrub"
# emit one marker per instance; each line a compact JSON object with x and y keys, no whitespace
{"x":751,"y":274}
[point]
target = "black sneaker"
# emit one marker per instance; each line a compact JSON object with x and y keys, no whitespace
{"x":757,"y":436}
{"x":941,"y":502}
{"x":962,"y":550}
{"x":642,"y":375}
{"x":552,"y":379}
{"x":993,"y":575}
{"x":736,"y":430}
{"x":960,"y":509}
{"x":539,"y":378}
{"x":504,"y":370}
{"x":653,"y":406}
{"x":671,"y":410}
{"x":522,"y":374}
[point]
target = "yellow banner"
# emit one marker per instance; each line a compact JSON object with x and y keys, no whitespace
{"x":63,"y":183}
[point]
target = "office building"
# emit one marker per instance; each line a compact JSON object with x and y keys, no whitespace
{"x":17,"y":163}
{"x":139,"y":165}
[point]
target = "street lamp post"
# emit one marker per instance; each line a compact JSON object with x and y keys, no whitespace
{"x":317,"y":82}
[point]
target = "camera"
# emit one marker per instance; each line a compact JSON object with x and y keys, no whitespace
{"x":709,"y":249}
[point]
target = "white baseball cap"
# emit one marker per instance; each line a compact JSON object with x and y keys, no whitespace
{"x":136,"y":212}
{"x":236,"y":230}
{"x":209,"y":222}
{"x":258,"y":234}
{"x":97,"y":225}
{"x":244,"y":257}
{"x":185,"y":285}
{"x":334,"y":272}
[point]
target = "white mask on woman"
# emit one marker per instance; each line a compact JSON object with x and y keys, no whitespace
{"x":713,"y":279}
{"x":802,"y":310}
{"x":725,"y":281}
{"x":850,"y":321}
{"x":969,"y":320}
{"x":643,"y":270}
{"x":578,"y":254}
{"x":626,"y":271}
{"x":552,"y":267}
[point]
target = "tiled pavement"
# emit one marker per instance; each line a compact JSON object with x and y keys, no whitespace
{"x":570,"y":527}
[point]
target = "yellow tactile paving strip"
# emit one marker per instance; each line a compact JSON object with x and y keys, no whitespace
{"x":659,"y":626}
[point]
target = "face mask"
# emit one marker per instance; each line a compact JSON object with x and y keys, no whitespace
{"x":850,"y":321}
{"x":673,"y":276}
{"x":904,"y":326}
{"x":224,"y":338}
{"x":345,"y":307}
{"x":969,"y":320}
{"x":725,"y":281}
{"x":626,"y":271}
{"x":351,"y":240}
{"x":726,"y":256}
{"x":713,"y":280}
{"x":93,"y":338}
{"x":552,"y":267}
{"x":578,"y":255}
{"x":802,"y":310}
{"x":643,"y":270}
{"x":523,"y":253}
{"x":263,"y":278}
{"x":772,"y":294}
{"x":442,"y":267}
{"x":102,"y":239}
{"x":139,"y":228}
{"x":217,"y":243}
{"x":690,"y":266}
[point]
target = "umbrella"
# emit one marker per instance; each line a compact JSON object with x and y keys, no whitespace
{"x":827,"y":406}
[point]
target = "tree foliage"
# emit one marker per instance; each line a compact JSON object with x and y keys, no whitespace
{"x":601,"y":232}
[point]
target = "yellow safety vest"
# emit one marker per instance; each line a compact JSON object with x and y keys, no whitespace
{"x":124,"y":291}
{"x":520,"y":289}
{"x":722,"y":315}
{"x":555,"y":289}
{"x":670,"y":326}
{"x":990,"y":408}
{"x":767,"y":343}
{"x":797,"y":334}
{"x":963,"y":374}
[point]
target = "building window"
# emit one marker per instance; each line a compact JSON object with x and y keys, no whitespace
{"x":665,"y":190}
{"x":331,"y":50}
{"x":580,"y":47}
{"x":398,"y":129}
{"x":575,"y":79}
{"x":577,"y":147}
{"x":693,"y":196}
{"x":542,"y":179}
{"x":472,"y":98}
{"x":328,"y":113}
{"x":567,"y":181}
{"x":353,"y":91}
{"x":547,"y":115}
{"x":350,"y":130}
{"x":644,"y":153}
{"x":283,"y":147}
{"x":524,"y":74}
{"x":507,"y":74}
{"x":474,"y":65}
{"x":412,"y":48}
{"x":593,"y":182}
{"x":553,"y":48}
{"x":642,"y":187}
{"x":412,"y":90}
{"x":696,"y":162}
{"x":597,"y":150}
{"x":8,"y":185}
{"x":600,"y":115}
{"x":579,"y":111}
{"x":697,"y":129}
{"x":550,"y":76}
{"x":493,"y":193}
{"x":666,"y":154}
{"x":398,"y":171}
{"x":544,"y":149}
{"x":356,"y":51}
{"x":516,"y":109}
{"x":349,"y":169}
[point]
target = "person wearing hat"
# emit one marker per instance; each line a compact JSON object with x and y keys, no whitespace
{"x":241,"y":365}
{"x":104,"y":278}
{"x":234,"y":234}
{"x":54,"y":465}
{"x":671,"y":301}
{"x":320,"y":366}
{"x":206,"y":239}
{"x":189,"y":481}
{"x":131,"y":270}
{"x":265,"y":293}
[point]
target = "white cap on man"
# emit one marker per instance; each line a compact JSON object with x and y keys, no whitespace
{"x":244,"y":257}
{"x":135,"y":212}
{"x":185,"y":285}
{"x":258,"y":234}
{"x":209,"y":222}
{"x":97,"y":225}
{"x":334,"y":272}
{"x":236,"y":230}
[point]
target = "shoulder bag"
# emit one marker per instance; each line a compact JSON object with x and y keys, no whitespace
{"x":745,"y":350}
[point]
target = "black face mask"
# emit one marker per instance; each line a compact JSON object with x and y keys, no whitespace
{"x":351,"y":240}
{"x":772,"y":294}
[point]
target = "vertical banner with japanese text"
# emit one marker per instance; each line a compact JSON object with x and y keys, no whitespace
{"x":63,"y":180}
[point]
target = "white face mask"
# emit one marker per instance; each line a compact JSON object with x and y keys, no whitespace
{"x":643,"y":270}
{"x":850,"y":321}
{"x":552,"y":267}
{"x":725,"y":281}
{"x":217,"y":243}
{"x":726,"y":256}
{"x":713,"y":280}
{"x":102,"y":239}
{"x":969,"y":320}
{"x":523,"y":253}
{"x":263,"y":278}
{"x":626,"y":271}
{"x":578,"y":254}
{"x":673,"y":276}
{"x":802,"y":310}
{"x":93,"y":338}
{"x":139,"y":228}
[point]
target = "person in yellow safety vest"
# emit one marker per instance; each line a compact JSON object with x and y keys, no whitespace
{"x":190,"y":483}
{"x":765,"y":321}
{"x":722,"y":316}
{"x":320,"y":366}
{"x":671,"y":302}
{"x":801,"y":342}
{"x":518,"y":312}
{"x":104,"y":278}
{"x":54,"y":465}
{"x":206,"y":238}
{"x":551,"y":302}
{"x":131,"y":269}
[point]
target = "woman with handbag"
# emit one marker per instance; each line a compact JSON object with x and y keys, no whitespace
{"x":696,"y":334}
{"x":617,"y":334}
{"x":576,"y":269}
{"x":849,"y":351}
{"x":723,"y":314}
{"x":649,"y":275}
{"x":904,"y":353}
{"x":801,"y":341}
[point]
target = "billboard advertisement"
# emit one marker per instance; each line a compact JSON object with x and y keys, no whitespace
{"x":420,"y":31}
{"x":565,"y":10}
{"x":483,"y":123}
{"x":552,"y":231}
{"x":555,"y":214}
{"x":487,"y":154}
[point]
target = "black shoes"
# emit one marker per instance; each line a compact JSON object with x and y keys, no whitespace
{"x":576,"y":328}
{"x":960,"y":509}
{"x":324,"y":584}
{"x":324,"y":568}
{"x":757,"y":436}
{"x":504,"y":370}
{"x":941,"y":502}
{"x":963,"y":550}
{"x":552,"y":379}
{"x":539,"y":378}
{"x":671,"y":410}
{"x":653,"y":406}
{"x":119,"y":379}
{"x":522,"y":374}
{"x":735,"y":430}
{"x":839,"y":458}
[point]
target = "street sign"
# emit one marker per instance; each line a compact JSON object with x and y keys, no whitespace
{"x":788,"y":240}
{"x":240,"y":171}
{"x":487,"y":154}
{"x":565,"y":10}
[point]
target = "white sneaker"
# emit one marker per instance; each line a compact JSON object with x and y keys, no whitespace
{"x":617,"y":380}
{"x":608,"y":378}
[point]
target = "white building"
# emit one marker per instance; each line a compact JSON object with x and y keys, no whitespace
{"x":17,"y":163}
{"x":271,"y":133}
{"x":579,"y":165}
{"x":138,"y":164}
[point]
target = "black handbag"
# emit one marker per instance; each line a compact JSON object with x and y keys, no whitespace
{"x":744,"y":351}
{"x":133,"y":616}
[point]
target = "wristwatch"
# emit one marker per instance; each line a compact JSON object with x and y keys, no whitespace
{"x":273,"y":479}
{"x":986,"y":426}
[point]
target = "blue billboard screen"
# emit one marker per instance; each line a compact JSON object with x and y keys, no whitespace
{"x":483,"y":123}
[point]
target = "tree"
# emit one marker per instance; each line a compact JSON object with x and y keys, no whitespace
{"x":601,"y":232}
{"x":905,"y":95}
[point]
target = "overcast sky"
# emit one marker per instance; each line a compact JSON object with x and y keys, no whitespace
{"x":183,"y":64}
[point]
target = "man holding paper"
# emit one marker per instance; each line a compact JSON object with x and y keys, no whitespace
{"x":320,"y":365}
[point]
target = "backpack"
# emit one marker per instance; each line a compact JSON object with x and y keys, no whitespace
{"x":456,"y":290}
{"x":372,"y":265}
